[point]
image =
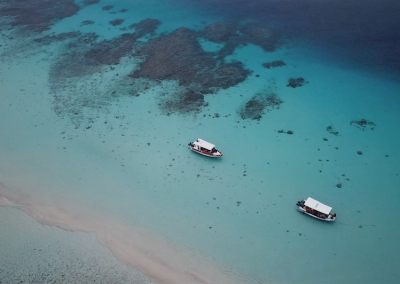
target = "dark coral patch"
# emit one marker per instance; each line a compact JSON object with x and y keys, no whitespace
{"x":109,"y":52}
{"x":185,"y":102}
{"x":228,"y":48}
{"x":116,"y":22}
{"x":146,"y":26}
{"x":220,"y":32}
{"x":233,"y":35}
{"x":176,"y":56}
{"x":296,"y":82}
{"x":224,"y":76}
{"x":37,"y":15}
{"x":90,"y":2}
{"x":107,"y":8}
{"x":48,"y":39}
{"x":273,"y":64}
{"x":72,"y":62}
{"x":290,"y":132}
{"x":261,"y":35}
{"x":86,"y":23}
{"x":257,"y":105}
{"x":332,"y":131}
{"x":253,"y":109}
{"x":85,"y":55}
{"x":179,"y":56}
{"x":363,"y":124}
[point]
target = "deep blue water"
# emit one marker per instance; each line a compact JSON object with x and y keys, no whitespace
{"x":364,"y":33}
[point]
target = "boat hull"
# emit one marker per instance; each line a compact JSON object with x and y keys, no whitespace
{"x":219,"y":155}
{"x":302,"y":210}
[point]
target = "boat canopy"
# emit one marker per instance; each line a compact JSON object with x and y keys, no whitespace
{"x":204,"y":144}
{"x":316,"y":205}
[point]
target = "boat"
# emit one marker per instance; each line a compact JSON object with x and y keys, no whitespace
{"x":316,"y":209}
{"x":205,"y":148}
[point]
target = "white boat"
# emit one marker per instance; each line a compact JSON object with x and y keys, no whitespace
{"x":316,"y":209}
{"x":204,"y":148}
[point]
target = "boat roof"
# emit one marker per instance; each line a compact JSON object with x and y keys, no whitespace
{"x":204,"y":144}
{"x":316,"y":205}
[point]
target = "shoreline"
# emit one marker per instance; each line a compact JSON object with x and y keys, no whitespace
{"x":157,"y":258}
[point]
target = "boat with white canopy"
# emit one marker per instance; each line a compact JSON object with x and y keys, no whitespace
{"x":316,"y":209}
{"x":205,"y":148}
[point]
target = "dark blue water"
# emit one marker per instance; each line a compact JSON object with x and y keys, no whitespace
{"x":363,"y":33}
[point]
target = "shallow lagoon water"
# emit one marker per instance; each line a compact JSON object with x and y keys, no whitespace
{"x":128,"y":163}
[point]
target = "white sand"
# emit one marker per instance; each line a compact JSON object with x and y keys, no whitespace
{"x":154,"y":256}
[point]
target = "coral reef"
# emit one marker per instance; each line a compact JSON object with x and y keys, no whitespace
{"x":182,"y":102}
{"x":258,"y":34}
{"x":290,"y":132}
{"x":220,"y":32}
{"x":233,"y":34}
{"x":107,"y":8}
{"x":37,"y":15}
{"x":116,"y":22}
{"x":90,"y":2}
{"x":257,"y":105}
{"x":331,"y":130}
{"x":87,"y":22}
{"x":72,"y":62}
{"x":85,"y":55}
{"x":109,"y":52}
{"x":223,"y":32}
{"x":296,"y":82}
{"x":146,"y":26}
{"x":179,"y":56}
{"x":273,"y":64}
{"x":48,"y":39}
{"x":176,"y":57}
{"x":363,"y":124}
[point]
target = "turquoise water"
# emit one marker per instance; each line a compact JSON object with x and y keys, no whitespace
{"x":95,"y":163}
